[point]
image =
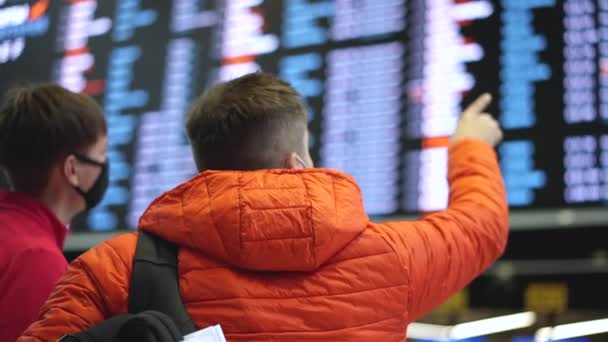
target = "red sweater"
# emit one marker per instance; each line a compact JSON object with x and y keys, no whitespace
{"x":31,"y":260}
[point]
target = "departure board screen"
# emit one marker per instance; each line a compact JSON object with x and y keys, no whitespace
{"x":384,"y":82}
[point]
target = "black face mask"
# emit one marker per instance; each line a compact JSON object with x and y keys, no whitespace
{"x":96,"y":192}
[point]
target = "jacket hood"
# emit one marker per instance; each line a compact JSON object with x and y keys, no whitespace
{"x":271,"y":220}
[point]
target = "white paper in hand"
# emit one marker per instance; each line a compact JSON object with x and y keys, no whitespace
{"x":210,"y":334}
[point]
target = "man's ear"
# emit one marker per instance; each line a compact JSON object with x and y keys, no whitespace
{"x":294,"y":162}
{"x":69,"y":170}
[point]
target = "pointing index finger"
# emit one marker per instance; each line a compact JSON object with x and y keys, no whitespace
{"x":478,"y":106}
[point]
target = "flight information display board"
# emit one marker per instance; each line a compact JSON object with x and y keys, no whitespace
{"x":384,"y":82}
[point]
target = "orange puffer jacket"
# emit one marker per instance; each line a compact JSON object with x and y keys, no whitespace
{"x":286,"y":255}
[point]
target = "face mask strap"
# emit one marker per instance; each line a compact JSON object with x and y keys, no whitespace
{"x":304,"y":164}
{"x":94,"y":195}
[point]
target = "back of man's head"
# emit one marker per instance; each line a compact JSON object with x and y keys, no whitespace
{"x":250,"y":123}
{"x":41,"y":124}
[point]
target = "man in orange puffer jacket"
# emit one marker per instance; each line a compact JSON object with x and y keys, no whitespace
{"x":274,"y":250}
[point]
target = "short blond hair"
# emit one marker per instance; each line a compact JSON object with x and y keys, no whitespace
{"x":248,"y":123}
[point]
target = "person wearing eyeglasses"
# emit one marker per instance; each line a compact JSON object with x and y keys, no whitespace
{"x":53,"y":145}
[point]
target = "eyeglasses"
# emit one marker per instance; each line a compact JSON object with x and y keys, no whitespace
{"x":88,"y":160}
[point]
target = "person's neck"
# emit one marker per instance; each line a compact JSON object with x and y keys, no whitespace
{"x":59,"y":206}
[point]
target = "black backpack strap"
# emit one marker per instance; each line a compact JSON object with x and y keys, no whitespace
{"x":154,"y":281}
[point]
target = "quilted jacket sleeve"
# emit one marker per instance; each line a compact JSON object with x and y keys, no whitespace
{"x":85,"y":294}
{"x":444,"y":251}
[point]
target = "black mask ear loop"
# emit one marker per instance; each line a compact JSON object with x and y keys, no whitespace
{"x":96,"y":192}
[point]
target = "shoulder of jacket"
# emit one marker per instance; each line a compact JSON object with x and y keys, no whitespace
{"x":120,"y":247}
{"x":122,"y":243}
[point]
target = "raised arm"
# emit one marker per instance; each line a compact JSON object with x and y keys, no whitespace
{"x":445,"y":251}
